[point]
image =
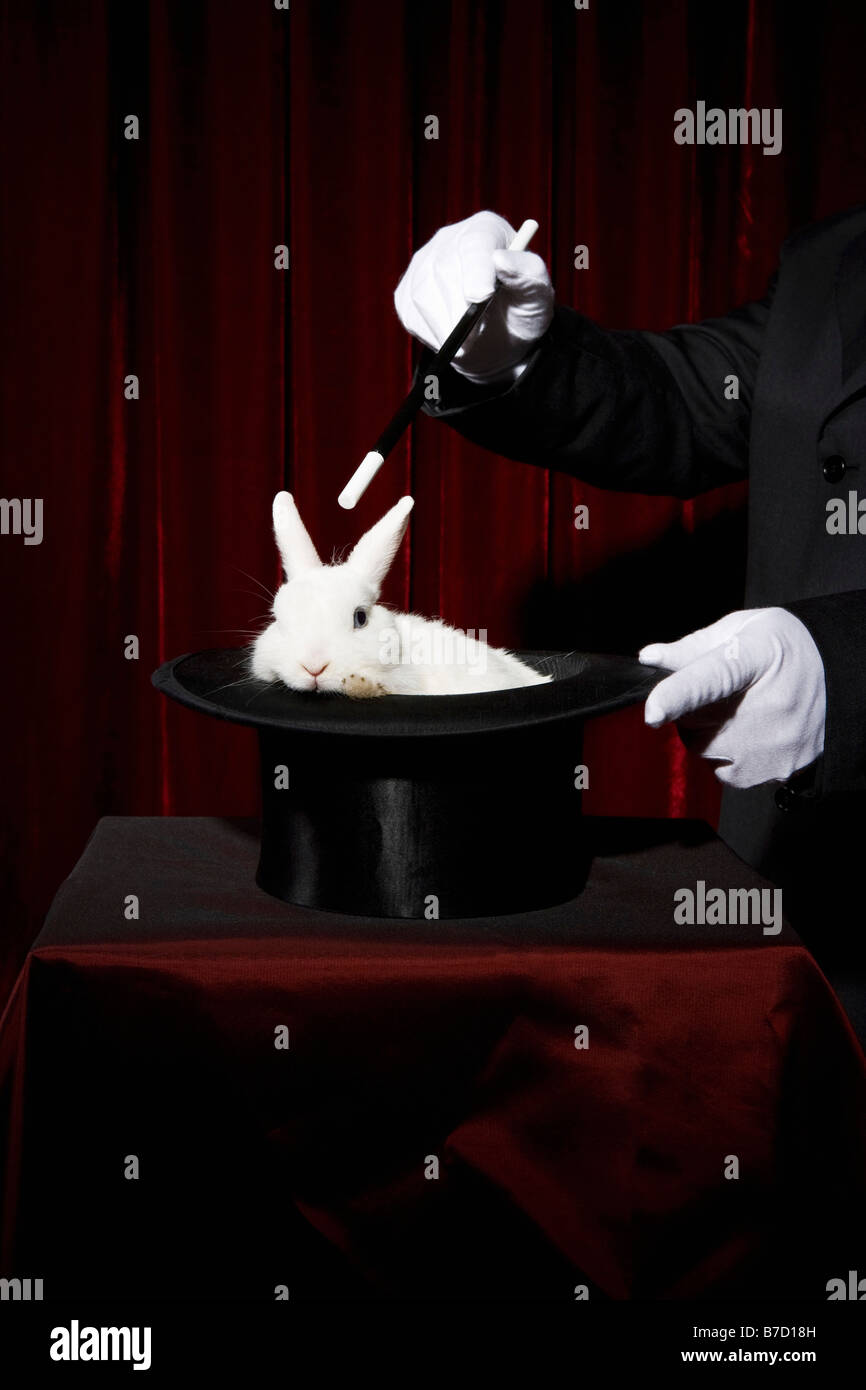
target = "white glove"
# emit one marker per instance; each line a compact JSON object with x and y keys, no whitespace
{"x":757,"y":680}
{"x":459,"y":266}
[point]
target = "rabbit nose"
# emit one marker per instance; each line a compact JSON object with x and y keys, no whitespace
{"x":319,"y":671}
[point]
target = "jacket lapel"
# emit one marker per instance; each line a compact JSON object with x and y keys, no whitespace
{"x":851,"y":313}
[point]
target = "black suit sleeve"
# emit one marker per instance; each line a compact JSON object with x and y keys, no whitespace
{"x":837,"y":623}
{"x":630,"y":411}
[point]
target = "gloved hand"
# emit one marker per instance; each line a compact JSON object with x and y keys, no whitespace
{"x":459,"y":266}
{"x":750,"y":691}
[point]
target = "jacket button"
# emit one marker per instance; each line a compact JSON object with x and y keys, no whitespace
{"x":785,"y":798}
{"x":835,"y":468}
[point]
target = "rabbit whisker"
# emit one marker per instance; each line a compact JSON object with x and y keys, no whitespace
{"x":251,"y":593}
{"x":270,"y":593}
{"x":230,"y":685}
{"x":256,"y":693}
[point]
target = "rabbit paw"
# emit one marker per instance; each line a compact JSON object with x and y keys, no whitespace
{"x":360,"y":688}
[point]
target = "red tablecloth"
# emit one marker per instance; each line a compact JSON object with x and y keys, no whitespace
{"x":411,"y":1042}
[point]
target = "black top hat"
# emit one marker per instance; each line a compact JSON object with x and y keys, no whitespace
{"x":418,"y":805}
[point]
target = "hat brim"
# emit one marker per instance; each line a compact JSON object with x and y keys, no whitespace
{"x":217,"y":682}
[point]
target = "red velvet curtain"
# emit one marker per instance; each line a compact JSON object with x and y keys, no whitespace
{"x":155,"y":257}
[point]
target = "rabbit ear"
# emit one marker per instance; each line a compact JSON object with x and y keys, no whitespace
{"x":375,"y":551}
{"x":297,"y":551}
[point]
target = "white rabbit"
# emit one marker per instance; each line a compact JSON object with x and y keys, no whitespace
{"x":330,"y":634}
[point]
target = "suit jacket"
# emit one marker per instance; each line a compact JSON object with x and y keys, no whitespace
{"x":646,"y":412}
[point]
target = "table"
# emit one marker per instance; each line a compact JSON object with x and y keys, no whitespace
{"x":433,"y":1130}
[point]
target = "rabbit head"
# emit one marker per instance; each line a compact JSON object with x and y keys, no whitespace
{"x":328,"y":631}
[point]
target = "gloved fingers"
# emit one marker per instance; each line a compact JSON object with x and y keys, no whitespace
{"x":704,"y":681}
{"x":520,"y":271}
{"x":709,"y":733}
{"x":409,"y":313}
{"x":428,"y":299}
{"x":745,"y":772}
{"x":448,"y":277}
{"x":754,"y":705}
{"x":675,"y":655}
{"x":457,"y":268}
{"x":732,"y":775}
{"x":526,"y":293}
{"x":482,"y":237}
{"x":434,"y":303}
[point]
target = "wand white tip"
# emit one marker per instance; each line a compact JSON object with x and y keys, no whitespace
{"x":360,"y":480}
{"x":524,"y":235}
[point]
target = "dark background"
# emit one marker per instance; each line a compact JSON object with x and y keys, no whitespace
{"x":157,"y":257}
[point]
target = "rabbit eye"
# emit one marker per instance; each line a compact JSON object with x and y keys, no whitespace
{"x":360,"y":617}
